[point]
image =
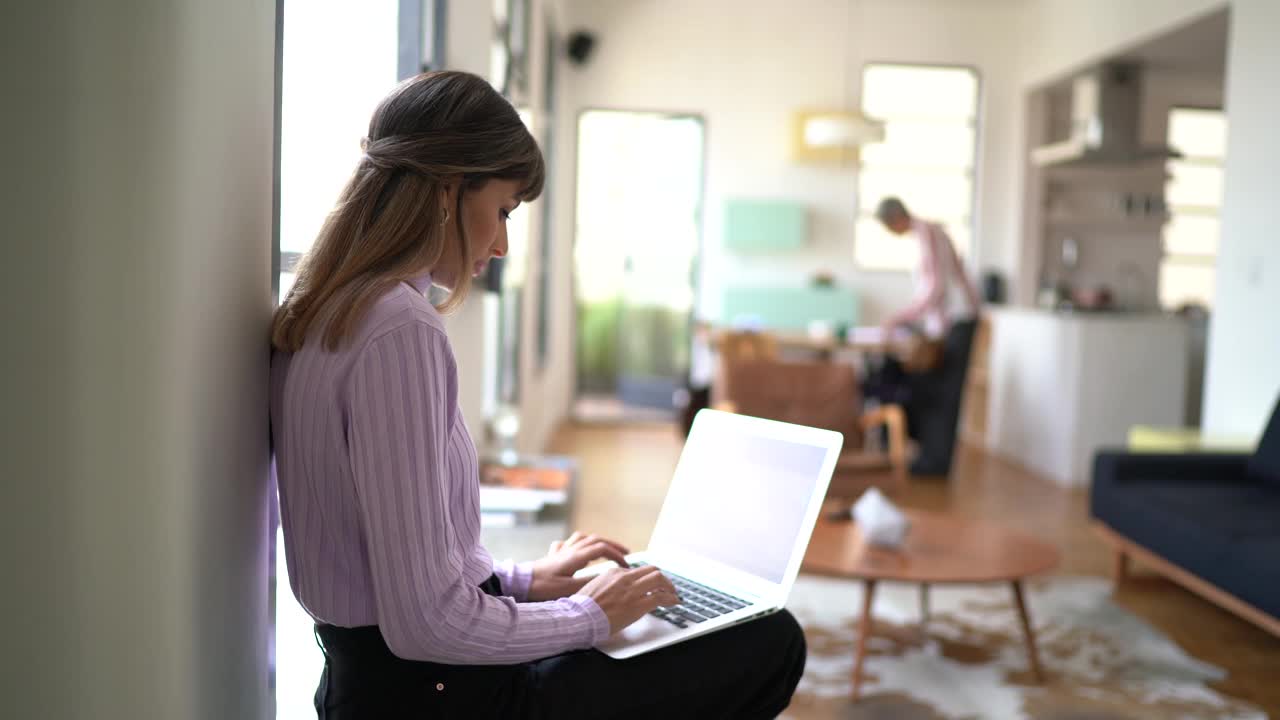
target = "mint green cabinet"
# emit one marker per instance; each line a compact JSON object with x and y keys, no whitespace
{"x":764,"y":225}
{"x":789,"y":308}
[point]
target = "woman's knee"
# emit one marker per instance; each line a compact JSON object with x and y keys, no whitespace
{"x":783,"y":640}
{"x":790,"y":639}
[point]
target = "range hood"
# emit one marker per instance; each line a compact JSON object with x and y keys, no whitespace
{"x":1105,"y":109}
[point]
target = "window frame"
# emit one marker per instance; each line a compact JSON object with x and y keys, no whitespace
{"x":1188,"y":259}
{"x":546,"y":242}
{"x":970,"y":254}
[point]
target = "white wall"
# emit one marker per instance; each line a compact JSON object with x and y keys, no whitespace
{"x":1243,"y":377}
{"x":468,"y":35}
{"x":137,"y":235}
{"x":1066,"y":35}
{"x":546,"y":391}
{"x":1164,"y":88}
{"x":745,"y":67}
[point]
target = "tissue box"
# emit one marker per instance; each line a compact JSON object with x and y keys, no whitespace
{"x":879,"y":520}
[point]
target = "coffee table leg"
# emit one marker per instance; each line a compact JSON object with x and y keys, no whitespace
{"x":869,"y":590}
{"x":1028,"y":632}
{"x":924,"y":604}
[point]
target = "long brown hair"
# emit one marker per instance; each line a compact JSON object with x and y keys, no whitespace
{"x":388,"y":226}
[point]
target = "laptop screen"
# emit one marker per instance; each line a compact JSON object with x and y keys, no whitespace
{"x":740,"y":499}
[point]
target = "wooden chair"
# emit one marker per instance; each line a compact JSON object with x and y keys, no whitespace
{"x":825,"y":395}
{"x":738,"y":345}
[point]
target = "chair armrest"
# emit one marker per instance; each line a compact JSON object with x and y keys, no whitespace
{"x":1111,"y":466}
{"x":894,"y":419}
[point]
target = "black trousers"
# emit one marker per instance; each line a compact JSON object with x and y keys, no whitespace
{"x":933,"y":411}
{"x":747,"y":671}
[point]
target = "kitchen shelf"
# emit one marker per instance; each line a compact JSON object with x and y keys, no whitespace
{"x":1154,"y":223}
{"x":1151,"y":167}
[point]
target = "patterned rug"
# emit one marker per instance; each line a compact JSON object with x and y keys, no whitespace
{"x":1102,"y":662}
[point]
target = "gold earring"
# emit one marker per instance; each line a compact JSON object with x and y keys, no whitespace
{"x":444,"y":219}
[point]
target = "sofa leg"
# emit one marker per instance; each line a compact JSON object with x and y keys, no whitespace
{"x":1119,"y":566}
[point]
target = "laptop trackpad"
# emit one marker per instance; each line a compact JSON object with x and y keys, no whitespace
{"x":643,"y":630}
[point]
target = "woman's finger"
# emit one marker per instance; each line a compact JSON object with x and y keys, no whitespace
{"x":591,"y":538}
{"x":659,"y":598}
{"x":653,"y":582}
{"x":600,"y":550}
{"x":580,"y":539}
{"x":616,"y":547}
{"x":615,"y":544}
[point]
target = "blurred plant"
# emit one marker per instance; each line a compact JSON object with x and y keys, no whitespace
{"x":618,"y":339}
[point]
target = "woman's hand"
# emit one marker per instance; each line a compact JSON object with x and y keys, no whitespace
{"x":626,"y":595}
{"x":553,"y":575}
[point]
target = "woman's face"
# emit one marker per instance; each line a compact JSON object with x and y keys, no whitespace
{"x":484,"y":216}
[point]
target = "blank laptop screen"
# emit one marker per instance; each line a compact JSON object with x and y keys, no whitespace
{"x":740,"y":499}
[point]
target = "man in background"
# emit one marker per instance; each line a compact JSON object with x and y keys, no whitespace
{"x":944,"y":292}
{"x":944,"y":310}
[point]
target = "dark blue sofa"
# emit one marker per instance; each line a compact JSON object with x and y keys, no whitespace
{"x":1208,"y":521}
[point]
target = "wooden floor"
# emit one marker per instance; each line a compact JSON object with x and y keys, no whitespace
{"x":625,"y":470}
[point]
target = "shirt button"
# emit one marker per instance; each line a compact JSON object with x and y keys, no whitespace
{"x":439,"y":686}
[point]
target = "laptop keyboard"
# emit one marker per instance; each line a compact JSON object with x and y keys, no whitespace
{"x":699,"y":603}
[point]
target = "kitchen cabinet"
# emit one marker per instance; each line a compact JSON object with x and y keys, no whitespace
{"x":1061,"y":386}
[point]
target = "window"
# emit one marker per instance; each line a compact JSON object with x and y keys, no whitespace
{"x":926,"y":158}
{"x":326,"y":99}
{"x":1193,"y":193}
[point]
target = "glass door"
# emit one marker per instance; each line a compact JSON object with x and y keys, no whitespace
{"x":639,"y":210}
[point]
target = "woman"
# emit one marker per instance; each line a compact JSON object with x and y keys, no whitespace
{"x":378,"y":476}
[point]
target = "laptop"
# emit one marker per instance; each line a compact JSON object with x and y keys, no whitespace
{"x":733,"y":528}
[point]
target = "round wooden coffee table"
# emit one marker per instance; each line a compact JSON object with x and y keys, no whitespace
{"x":939,"y":549}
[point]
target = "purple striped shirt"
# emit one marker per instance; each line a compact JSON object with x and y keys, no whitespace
{"x":379,"y":498}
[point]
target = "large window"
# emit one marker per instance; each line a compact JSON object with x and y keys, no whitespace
{"x":326,"y":100}
{"x":1193,"y":193}
{"x":926,"y":159}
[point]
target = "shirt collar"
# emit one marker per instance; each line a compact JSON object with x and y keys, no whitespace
{"x":422,"y":283}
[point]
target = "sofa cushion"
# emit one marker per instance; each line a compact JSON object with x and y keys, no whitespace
{"x":1265,"y":463}
{"x":1252,"y":574}
{"x":1225,"y":532}
{"x":1230,"y":511}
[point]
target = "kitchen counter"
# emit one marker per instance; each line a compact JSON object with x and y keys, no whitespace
{"x":1065,"y":384}
{"x":1143,"y":315}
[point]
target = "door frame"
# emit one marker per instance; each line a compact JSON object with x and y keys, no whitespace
{"x":695,"y":272}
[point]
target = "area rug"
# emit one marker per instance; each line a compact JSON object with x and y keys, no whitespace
{"x":1102,"y":662}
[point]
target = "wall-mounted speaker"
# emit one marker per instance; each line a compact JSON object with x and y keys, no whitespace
{"x":579,"y":45}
